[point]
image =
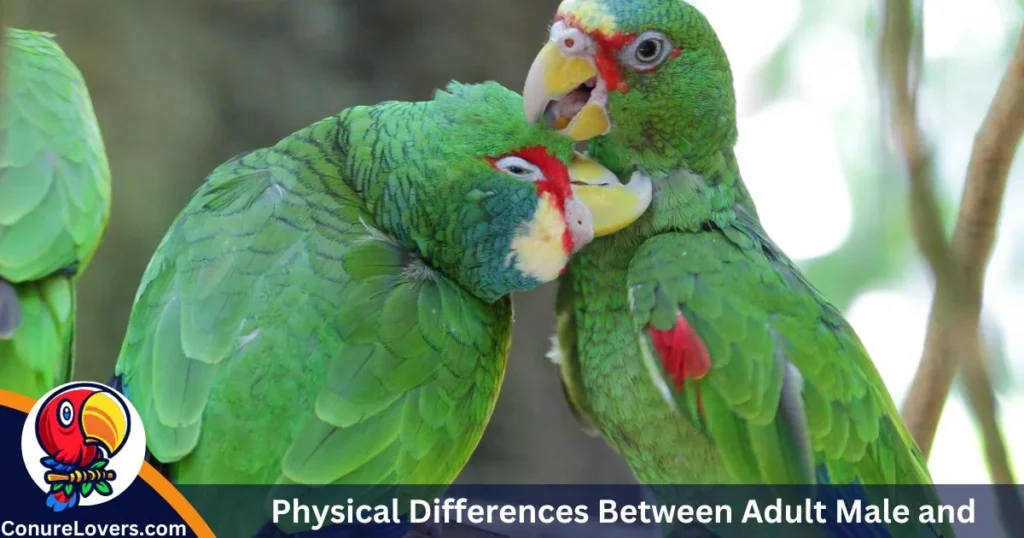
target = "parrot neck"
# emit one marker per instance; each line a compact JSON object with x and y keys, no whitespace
{"x":403,"y":202}
{"x":474,"y":252}
{"x":690,"y":191}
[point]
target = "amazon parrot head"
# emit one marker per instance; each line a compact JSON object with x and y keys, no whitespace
{"x":651,"y":75}
{"x":521,"y":199}
{"x":75,"y":425}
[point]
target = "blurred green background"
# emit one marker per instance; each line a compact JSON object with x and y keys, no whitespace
{"x":179,"y":86}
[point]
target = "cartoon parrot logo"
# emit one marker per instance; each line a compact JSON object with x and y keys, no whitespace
{"x":87,"y":444}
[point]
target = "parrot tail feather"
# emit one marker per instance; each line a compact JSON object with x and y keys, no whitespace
{"x":59,"y":501}
{"x":10,"y":310}
{"x":116,"y":382}
{"x":848,"y":492}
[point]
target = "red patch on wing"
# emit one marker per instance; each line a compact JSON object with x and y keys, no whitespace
{"x":682,"y":352}
{"x":555,"y":182}
{"x":608,"y":46}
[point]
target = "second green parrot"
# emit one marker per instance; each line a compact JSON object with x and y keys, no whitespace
{"x":54,"y":207}
{"x":689,"y":339}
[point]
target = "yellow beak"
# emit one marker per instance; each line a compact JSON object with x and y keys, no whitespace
{"x":105,"y":421}
{"x":613,"y":206}
{"x":552,"y":76}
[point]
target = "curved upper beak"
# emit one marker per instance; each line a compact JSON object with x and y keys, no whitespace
{"x":105,"y":421}
{"x":613,"y":206}
{"x":557,"y":71}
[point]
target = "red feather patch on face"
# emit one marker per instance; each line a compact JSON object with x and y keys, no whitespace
{"x":608,"y":47}
{"x":682,"y":352}
{"x":555,"y":182}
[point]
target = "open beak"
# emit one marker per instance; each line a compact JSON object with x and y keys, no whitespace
{"x":568,"y":78}
{"x":613,"y":206}
{"x":105,"y":421}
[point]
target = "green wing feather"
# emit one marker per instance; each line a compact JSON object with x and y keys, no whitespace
{"x":277,"y":337}
{"x":54,"y":206}
{"x":39,"y":353}
{"x":771,"y":337}
{"x":55,"y":185}
{"x":563,"y":353}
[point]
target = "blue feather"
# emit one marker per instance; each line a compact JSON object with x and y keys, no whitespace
{"x":55,"y":465}
{"x":59,"y":506}
{"x":116,"y":382}
{"x":851,"y":492}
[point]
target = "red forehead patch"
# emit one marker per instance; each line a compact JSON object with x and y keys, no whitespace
{"x":555,"y":182}
{"x":556,"y":175}
{"x":608,"y":47}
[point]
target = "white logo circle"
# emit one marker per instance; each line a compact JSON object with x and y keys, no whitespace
{"x":83,"y":419}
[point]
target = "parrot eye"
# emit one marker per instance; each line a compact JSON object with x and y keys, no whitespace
{"x":519,"y":168}
{"x":647,"y":51}
{"x":65,"y":413}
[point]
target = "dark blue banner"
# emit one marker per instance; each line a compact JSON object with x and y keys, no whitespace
{"x":614,"y":510}
{"x":73,"y":473}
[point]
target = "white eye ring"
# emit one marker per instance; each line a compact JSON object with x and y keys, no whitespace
{"x":638,"y":55}
{"x":519,"y":168}
{"x":65,"y":413}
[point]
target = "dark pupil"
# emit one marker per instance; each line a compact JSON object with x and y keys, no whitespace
{"x":647,"y":50}
{"x":517,"y":170}
{"x":66,"y":412}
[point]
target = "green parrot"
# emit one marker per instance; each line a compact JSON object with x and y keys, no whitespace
{"x":335,"y":309}
{"x":54,"y":207}
{"x":689,"y":340}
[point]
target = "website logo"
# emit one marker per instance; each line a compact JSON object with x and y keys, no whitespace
{"x":83,"y":444}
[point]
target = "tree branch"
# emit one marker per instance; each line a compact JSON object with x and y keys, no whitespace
{"x":994,"y":148}
{"x":958,"y":268}
{"x":896,"y":61}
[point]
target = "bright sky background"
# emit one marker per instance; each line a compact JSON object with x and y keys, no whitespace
{"x":793,"y":152}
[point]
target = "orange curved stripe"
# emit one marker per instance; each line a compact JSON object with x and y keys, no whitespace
{"x":148,"y":474}
{"x":177,"y":501}
{"x":18,"y":402}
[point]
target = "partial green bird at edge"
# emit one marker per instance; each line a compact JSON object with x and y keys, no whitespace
{"x":55,"y":203}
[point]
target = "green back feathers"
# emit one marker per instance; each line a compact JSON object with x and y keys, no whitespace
{"x":55,"y":185}
{"x":487,"y":120}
